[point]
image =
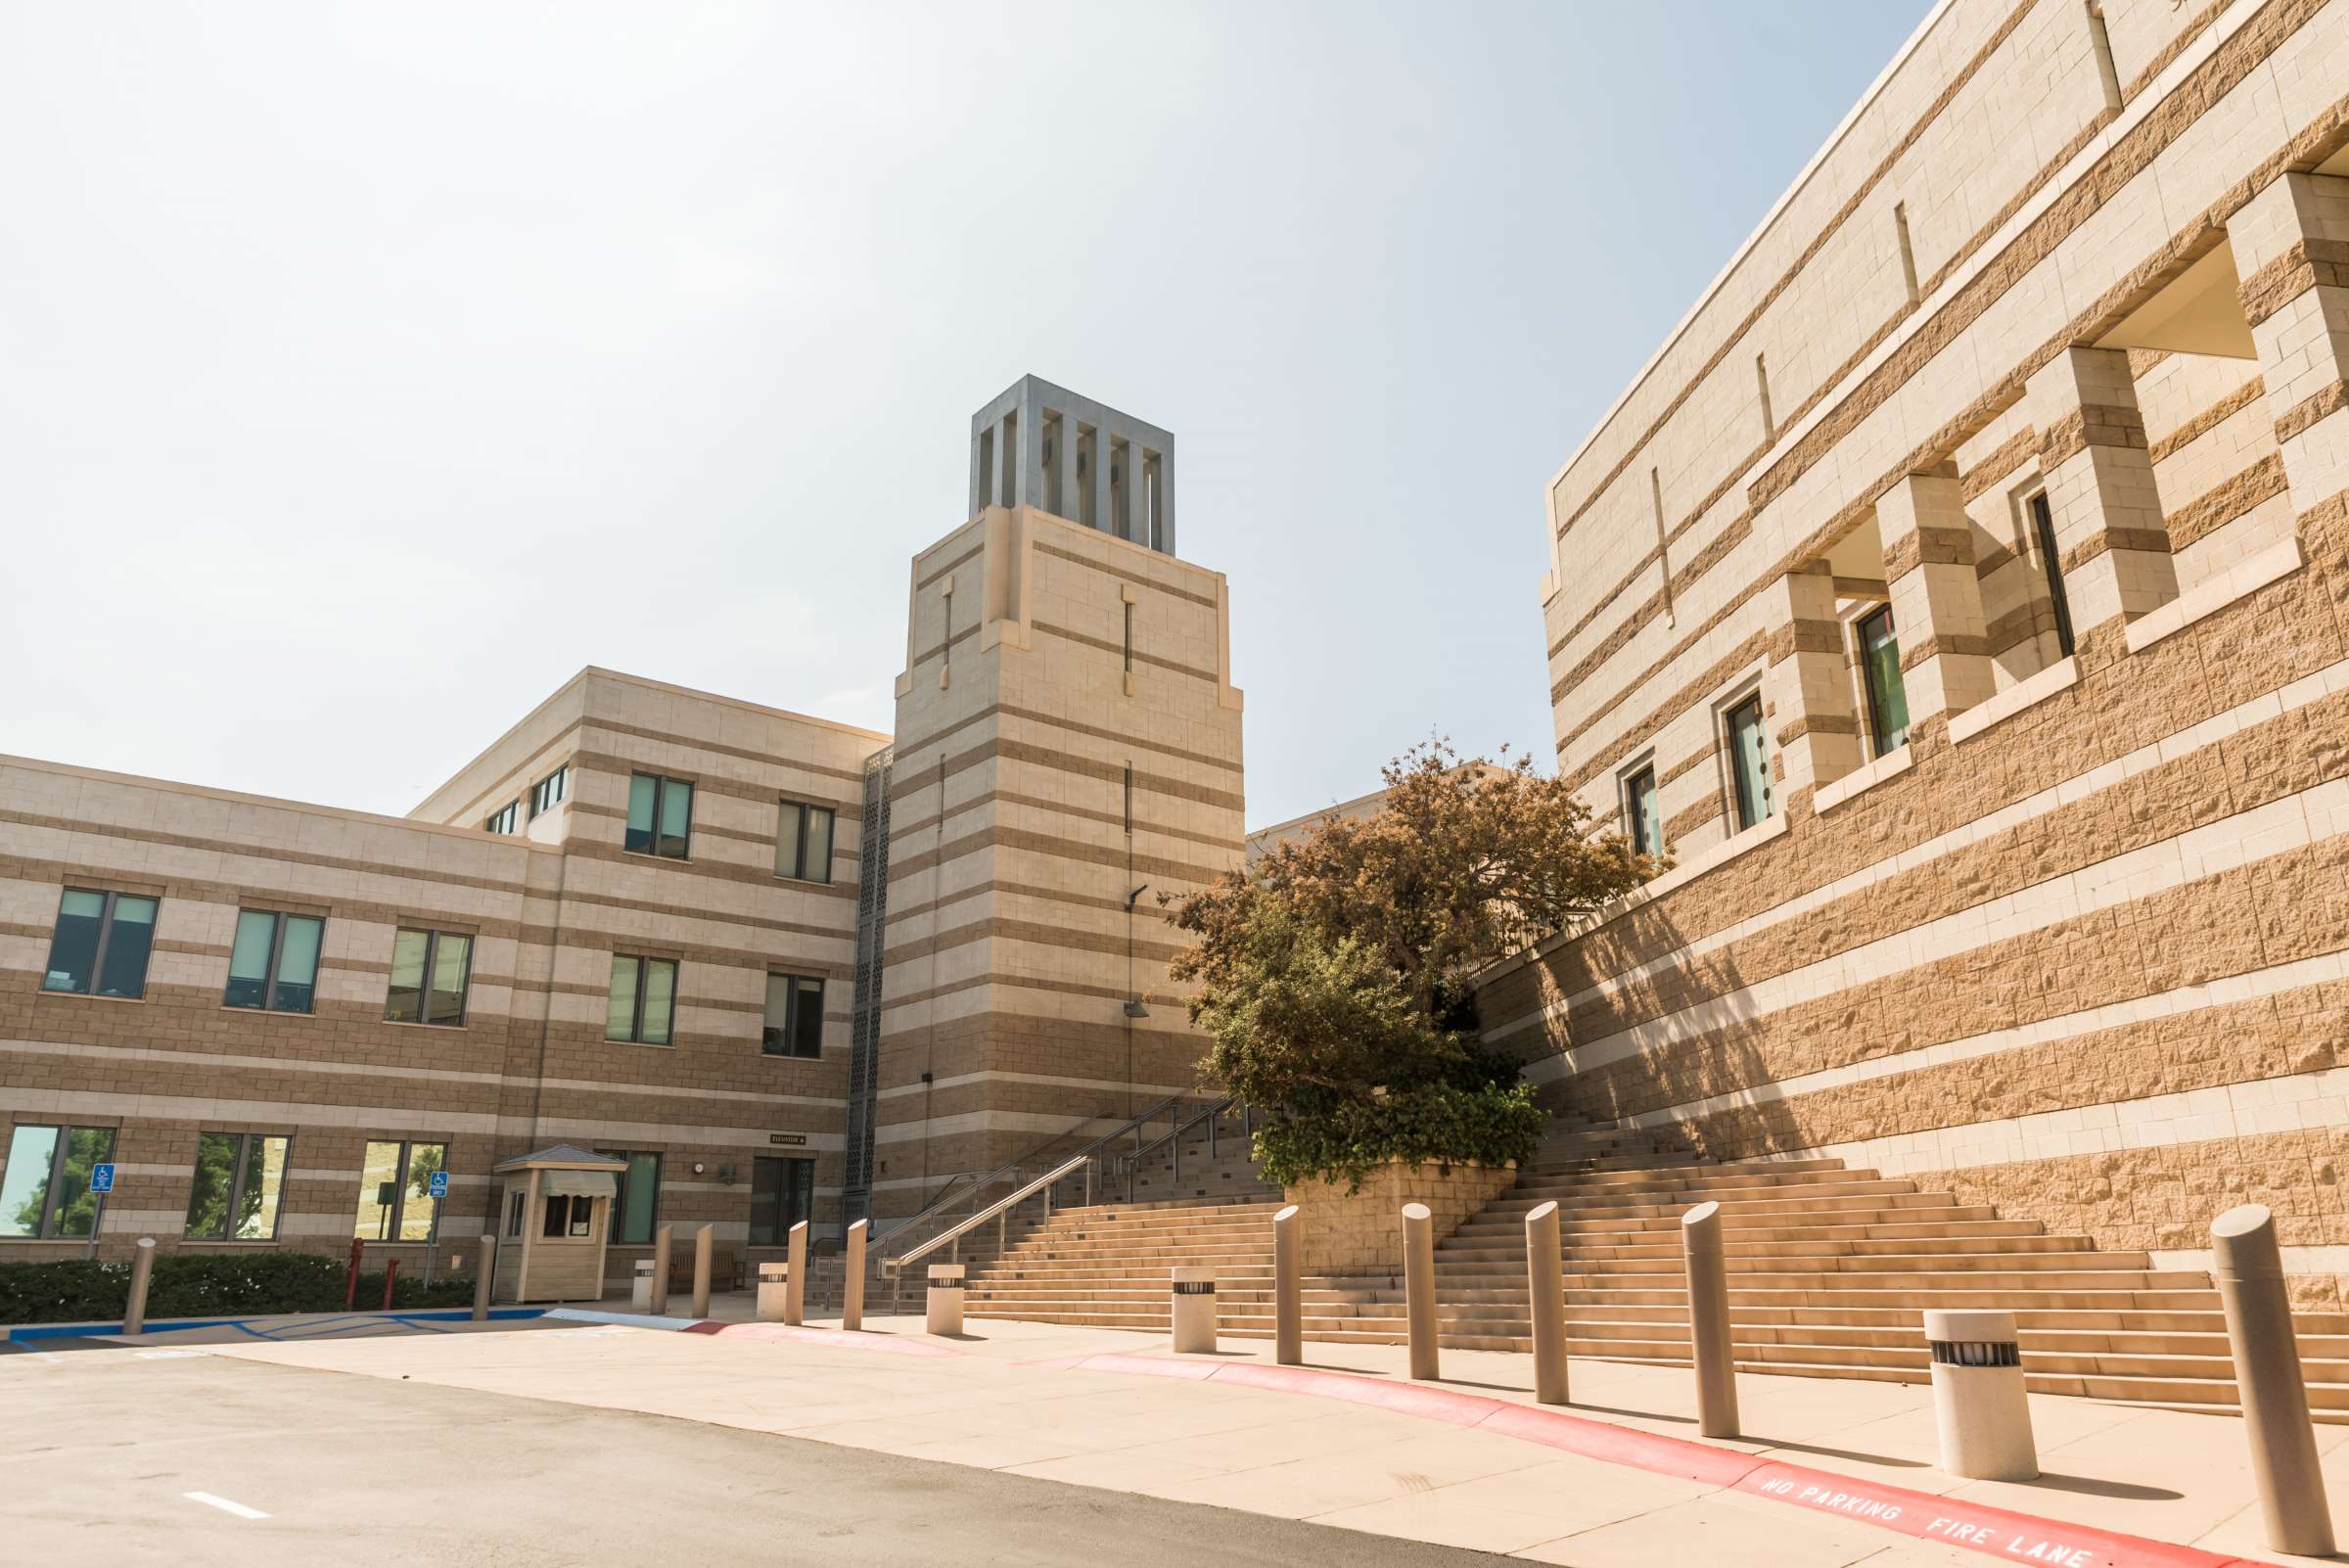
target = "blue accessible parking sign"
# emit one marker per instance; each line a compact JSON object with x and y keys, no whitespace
{"x":439,"y":1185}
{"x":102,"y":1177}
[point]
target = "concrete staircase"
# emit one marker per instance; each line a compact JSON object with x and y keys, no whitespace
{"x":1107,"y":1267}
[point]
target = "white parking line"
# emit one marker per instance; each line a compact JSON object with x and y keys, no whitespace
{"x":224,"y":1506}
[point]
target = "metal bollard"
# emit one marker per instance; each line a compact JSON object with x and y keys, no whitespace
{"x":1288,"y":1312}
{"x":704,"y":1240}
{"x":1419,"y":1288}
{"x":484,"y":1277}
{"x":795,"y":1289}
{"x":774,"y":1290}
{"x":641,"y":1290}
{"x":1978,"y":1399}
{"x":350,"y":1292}
{"x":943,"y":1309}
{"x":1545,"y":1287}
{"x":658,"y":1304}
{"x":1192,"y":1308}
{"x":390,"y":1279}
{"x":142,"y":1269}
{"x":2250,"y":1273}
{"x":851,"y":1289}
{"x":1709,"y":1322}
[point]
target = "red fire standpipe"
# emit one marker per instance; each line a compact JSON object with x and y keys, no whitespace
{"x":391,"y":1278}
{"x":350,"y":1293}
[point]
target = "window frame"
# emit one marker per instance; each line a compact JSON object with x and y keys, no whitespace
{"x":432,"y":963}
{"x":662,"y":783}
{"x":786,"y":1198}
{"x":807,"y":811}
{"x":1742,"y":812}
{"x":635,"y":1035}
{"x":541,"y":802}
{"x":47,"y":1229}
{"x":106,"y":937}
{"x":399,"y":1212}
{"x":1869,"y":695}
{"x":620,"y":1196}
{"x":236,"y":1187}
{"x":789,"y":1048}
{"x":506,"y":819}
{"x":1634,"y":820}
{"x":277,"y":947}
{"x":2039,"y":519}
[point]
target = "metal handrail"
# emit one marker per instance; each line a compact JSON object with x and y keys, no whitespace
{"x":960,"y":1188}
{"x":891,"y":1266}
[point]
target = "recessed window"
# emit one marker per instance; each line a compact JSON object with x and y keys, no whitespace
{"x":803,"y":842}
{"x":1887,"y":692}
{"x":782,"y":1194}
{"x":274,"y":964}
{"x":429,"y":973}
{"x":45,"y":1188}
{"x":660,"y":815}
{"x":2042,"y":531}
{"x":643,"y":1003}
{"x":1643,"y":810}
{"x":637,"y":1204}
{"x":240,"y":1182}
{"x":395,"y":1190}
{"x":101,"y":944}
{"x":517,"y":1203}
{"x":795,"y":1016}
{"x":1749,"y":762}
{"x":548,"y":792}
{"x":506,"y":818}
{"x":569,"y":1215}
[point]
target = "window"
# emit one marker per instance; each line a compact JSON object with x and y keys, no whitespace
{"x":795,"y":1016}
{"x":803,"y":842}
{"x":395,"y":1192}
{"x":1749,"y":762}
{"x":505,"y":819}
{"x":660,"y":815}
{"x":515,"y":1203}
{"x":101,"y":945}
{"x":637,"y":1203}
{"x":570,"y":1215}
{"x":1887,"y":693}
{"x":782,"y":1194}
{"x":644,"y":999}
{"x":2043,"y":529}
{"x":1644,"y":811}
{"x":45,"y":1188}
{"x":430,"y":971}
{"x":548,"y":792}
{"x":240,"y":1181}
{"x":274,"y":964}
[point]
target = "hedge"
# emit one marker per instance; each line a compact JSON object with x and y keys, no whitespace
{"x":206,"y":1285}
{"x":1340,"y":1137}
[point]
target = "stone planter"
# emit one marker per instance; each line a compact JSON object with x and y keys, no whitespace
{"x":1360,"y":1232}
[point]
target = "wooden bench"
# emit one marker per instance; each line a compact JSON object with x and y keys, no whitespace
{"x":725,"y":1266}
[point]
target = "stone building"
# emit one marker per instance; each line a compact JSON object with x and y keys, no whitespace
{"x":1961,"y":594}
{"x":654,"y":922}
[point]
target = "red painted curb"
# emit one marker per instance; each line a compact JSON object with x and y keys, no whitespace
{"x":1998,"y":1532}
{"x":837,"y":1338}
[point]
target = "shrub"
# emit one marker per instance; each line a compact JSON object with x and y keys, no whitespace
{"x":206,"y":1285}
{"x":1339,"y":1137}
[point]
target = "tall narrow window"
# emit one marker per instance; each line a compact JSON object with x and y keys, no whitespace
{"x":2100,"y":39}
{"x":1655,"y":490}
{"x":1130,"y":797}
{"x":273,"y":966}
{"x":506,"y":818}
{"x":1769,"y":428}
{"x":101,"y":944}
{"x":431,"y":971}
{"x":240,"y":1181}
{"x":1130,"y":638}
{"x":638,"y":1201}
{"x":795,"y":1016}
{"x":1900,"y":230}
{"x":395,"y":1190}
{"x":803,"y":842}
{"x":643,"y":1003}
{"x":1749,"y":762}
{"x":782,"y":1194}
{"x":548,"y":792}
{"x":45,"y":1188}
{"x":660,"y":815}
{"x":2043,"y":531}
{"x":1644,"y":809}
{"x":1887,"y":692}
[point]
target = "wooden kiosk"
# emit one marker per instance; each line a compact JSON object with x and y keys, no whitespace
{"x":556,"y":1217}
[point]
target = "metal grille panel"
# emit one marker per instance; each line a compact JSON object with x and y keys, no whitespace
{"x":864,"y":1028}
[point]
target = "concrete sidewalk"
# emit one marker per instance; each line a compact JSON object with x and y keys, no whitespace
{"x":1005,"y":1397}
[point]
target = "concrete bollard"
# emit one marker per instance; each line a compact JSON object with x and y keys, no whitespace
{"x":1978,"y":1399}
{"x":142,"y":1269}
{"x":1288,"y":1312}
{"x":851,"y":1290}
{"x":1709,"y":1322}
{"x":703,"y":1241}
{"x":658,"y":1302}
{"x":484,"y":1275}
{"x":641,"y":1290}
{"x":1419,"y":1288}
{"x":795,"y":1289}
{"x":1545,"y":1287}
{"x":774,"y":1292}
{"x":1192,"y":1306}
{"x":2249,"y":1270}
{"x":943,"y":1309}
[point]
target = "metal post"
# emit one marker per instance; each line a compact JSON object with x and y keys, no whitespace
{"x":1089,"y":1183}
{"x":704,"y":1240}
{"x":1544,"y":1285}
{"x":432,"y":1245}
{"x":351,"y":1291}
{"x":391,"y":1278}
{"x":795,"y":1289}
{"x":660,"y":1245}
{"x":1288,"y":1317}
{"x":1419,"y":1288}
{"x":142,"y":1269}
{"x":97,"y":1224}
{"x":1709,"y":1323}
{"x":2250,"y":1273}
{"x":851,"y":1298}
{"x":485,"y":1274}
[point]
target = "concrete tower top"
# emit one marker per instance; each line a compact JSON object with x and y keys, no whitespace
{"x":1042,"y":445}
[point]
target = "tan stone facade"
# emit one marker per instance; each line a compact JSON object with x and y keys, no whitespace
{"x":2049,"y":341}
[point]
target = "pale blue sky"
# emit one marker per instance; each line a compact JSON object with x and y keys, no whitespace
{"x":367,"y":369}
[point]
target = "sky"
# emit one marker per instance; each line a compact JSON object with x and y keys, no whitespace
{"x":367,"y":370}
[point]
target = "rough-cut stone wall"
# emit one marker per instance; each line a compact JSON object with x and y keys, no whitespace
{"x":1346,"y":1229}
